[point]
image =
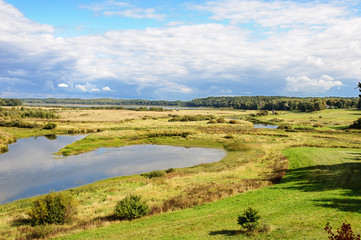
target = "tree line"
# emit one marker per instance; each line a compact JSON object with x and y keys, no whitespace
{"x":276,"y":103}
{"x":10,"y":102}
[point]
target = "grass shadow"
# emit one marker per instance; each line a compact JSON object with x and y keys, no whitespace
{"x":21,"y":222}
{"x":345,"y":204}
{"x":109,"y":218}
{"x":321,"y":178}
{"x":227,"y":232}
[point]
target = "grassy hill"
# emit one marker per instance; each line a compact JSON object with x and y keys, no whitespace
{"x":322,"y":185}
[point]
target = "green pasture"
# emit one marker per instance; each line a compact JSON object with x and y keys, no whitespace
{"x":322,"y":185}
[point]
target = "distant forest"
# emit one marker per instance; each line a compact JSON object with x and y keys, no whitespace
{"x":10,"y":102}
{"x":244,"y":102}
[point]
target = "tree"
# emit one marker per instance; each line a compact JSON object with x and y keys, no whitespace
{"x":250,"y":219}
{"x":359,"y":101}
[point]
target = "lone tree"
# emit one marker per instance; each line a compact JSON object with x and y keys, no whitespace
{"x":359,"y":101}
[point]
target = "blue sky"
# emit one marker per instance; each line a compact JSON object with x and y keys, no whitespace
{"x":179,"y":49}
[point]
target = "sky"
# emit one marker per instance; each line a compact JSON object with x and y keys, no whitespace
{"x":179,"y":50}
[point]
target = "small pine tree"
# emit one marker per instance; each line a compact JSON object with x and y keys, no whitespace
{"x":250,"y":219}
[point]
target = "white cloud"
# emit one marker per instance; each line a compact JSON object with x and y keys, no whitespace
{"x":136,"y":13}
{"x":115,"y":8}
{"x":107,"y":89}
{"x":176,"y":23}
{"x":188,"y":58}
{"x":274,"y":13}
{"x":105,"y":5}
{"x":81,"y":87}
{"x":308,"y":85}
{"x":63,"y":85}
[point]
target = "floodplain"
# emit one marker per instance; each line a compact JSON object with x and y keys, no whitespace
{"x":300,"y":176}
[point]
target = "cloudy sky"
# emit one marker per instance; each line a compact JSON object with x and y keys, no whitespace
{"x":174,"y":49}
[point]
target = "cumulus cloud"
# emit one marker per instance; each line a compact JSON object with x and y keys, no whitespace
{"x":63,"y":85}
{"x":107,"y":89}
{"x":81,"y":87}
{"x":187,"y":59}
{"x":305,"y":84}
{"x":274,"y":13}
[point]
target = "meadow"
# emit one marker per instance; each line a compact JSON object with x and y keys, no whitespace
{"x":299,"y":178}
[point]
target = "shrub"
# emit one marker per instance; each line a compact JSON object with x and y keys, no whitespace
{"x":221,"y":120}
{"x":262,"y":113}
{"x":130,"y":208}
{"x":345,"y":233}
{"x":250,"y":219}
{"x":50,"y":126}
{"x":169,"y":170}
{"x":233,"y":121}
{"x":55,"y":208}
{"x":356,"y":124}
{"x":152,"y":174}
{"x":284,"y":127}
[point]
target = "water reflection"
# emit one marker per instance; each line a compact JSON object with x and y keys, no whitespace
{"x":265,"y":126}
{"x":29,"y":168}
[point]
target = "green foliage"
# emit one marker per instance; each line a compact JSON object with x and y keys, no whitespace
{"x":18,"y":123}
{"x":52,"y":208}
{"x":262,"y":113}
{"x":169,"y":170}
{"x":153,"y":174}
{"x":236,"y":146}
{"x":10,"y":102}
{"x":169,"y":134}
{"x":356,"y":124}
{"x":131,"y":208}
{"x":187,"y":118}
{"x":17,"y":113}
{"x":345,"y":233}
{"x":50,"y":125}
{"x":250,"y":219}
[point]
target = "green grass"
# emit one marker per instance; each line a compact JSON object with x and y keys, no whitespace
{"x":322,"y":185}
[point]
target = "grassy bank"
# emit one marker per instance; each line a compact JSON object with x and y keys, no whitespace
{"x":322,"y":185}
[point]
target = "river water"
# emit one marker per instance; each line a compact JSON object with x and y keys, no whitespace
{"x":29,"y":168}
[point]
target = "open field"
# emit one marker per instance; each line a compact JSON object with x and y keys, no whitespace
{"x":255,"y":159}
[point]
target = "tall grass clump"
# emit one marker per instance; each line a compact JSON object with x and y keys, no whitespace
{"x":50,"y":125}
{"x":53,"y":208}
{"x":131,"y":208}
{"x":153,"y":174}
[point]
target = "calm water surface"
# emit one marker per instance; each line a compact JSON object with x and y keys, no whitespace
{"x":29,"y":168}
{"x":265,"y":126}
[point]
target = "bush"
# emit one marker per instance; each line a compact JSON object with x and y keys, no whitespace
{"x":345,"y":233}
{"x":356,"y":124}
{"x":152,"y":174}
{"x":250,"y":219}
{"x":221,"y":120}
{"x":233,"y":121}
{"x":130,"y":208}
{"x":55,"y":208}
{"x":50,"y":126}
{"x":169,"y":170}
